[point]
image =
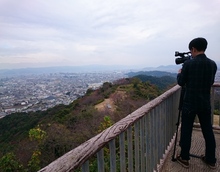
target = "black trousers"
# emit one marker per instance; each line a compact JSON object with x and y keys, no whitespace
{"x":204,"y":116}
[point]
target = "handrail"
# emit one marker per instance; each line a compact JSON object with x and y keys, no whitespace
{"x":214,"y":87}
{"x":156,"y":118}
{"x":216,"y":84}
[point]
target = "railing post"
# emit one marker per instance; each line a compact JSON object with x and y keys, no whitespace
{"x":130,"y":149}
{"x":85,"y":167}
{"x":136,"y":144}
{"x":142,"y":141}
{"x":157,"y":118}
{"x":152,"y":114}
{"x":147,"y":140}
{"x":112,"y":156}
{"x":100,"y":157}
{"x":122,"y":152}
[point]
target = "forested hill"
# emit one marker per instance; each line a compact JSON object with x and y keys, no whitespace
{"x":152,"y":73}
{"x":33,"y":140}
{"x":159,"y":78}
{"x":161,"y":82}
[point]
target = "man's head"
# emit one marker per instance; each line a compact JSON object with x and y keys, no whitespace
{"x":198,"y":46}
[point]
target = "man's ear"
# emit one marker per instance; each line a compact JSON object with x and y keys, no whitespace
{"x":194,"y":50}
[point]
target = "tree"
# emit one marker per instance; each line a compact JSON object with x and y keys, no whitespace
{"x":38,"y":135}
{"x":9,"y":163}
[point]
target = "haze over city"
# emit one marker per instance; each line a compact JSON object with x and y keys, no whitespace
{"x":117,"y":32}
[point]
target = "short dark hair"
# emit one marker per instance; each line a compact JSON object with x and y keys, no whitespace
{"x":198,"y":43}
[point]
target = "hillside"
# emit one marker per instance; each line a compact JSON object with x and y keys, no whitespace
{"x":65,"y":127}
{"x":153,"y":73}
{"x":159,"y":78}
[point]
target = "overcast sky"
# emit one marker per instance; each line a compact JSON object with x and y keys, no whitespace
{"x":143,"y":33}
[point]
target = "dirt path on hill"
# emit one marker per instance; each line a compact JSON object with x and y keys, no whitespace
{"x":106,"y":104}
{"x":109,"y":104}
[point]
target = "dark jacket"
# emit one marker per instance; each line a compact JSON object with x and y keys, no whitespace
{"x":197,"y":76}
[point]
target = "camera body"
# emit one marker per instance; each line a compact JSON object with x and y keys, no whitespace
{"x":182,"y":57}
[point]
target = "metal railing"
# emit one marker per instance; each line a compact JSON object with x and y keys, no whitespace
{"x":135,"y":143}
{"x":215,"y":90}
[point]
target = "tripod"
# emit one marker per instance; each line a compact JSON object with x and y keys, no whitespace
{"x":177,"y":125}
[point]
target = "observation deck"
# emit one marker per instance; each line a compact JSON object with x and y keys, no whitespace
{"x":142,"y":141}
{"x":197,"y":149}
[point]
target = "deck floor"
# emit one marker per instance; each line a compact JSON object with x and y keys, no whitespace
{"x":197,"y":148}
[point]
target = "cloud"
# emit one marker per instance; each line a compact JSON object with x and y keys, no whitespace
{"x":117,"y":32}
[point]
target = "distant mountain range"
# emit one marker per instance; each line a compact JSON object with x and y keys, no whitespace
{"x":81,"y":69}
{"x":59,"y":69}
{"x":84,"y":69}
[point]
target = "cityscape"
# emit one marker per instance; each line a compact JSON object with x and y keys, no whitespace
{"x":31,"y":93}
{"x":39,"y":92}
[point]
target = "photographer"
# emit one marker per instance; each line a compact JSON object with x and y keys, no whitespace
{"x":197,"y":76}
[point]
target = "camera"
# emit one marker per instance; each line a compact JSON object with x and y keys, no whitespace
{"x":182,"y":57}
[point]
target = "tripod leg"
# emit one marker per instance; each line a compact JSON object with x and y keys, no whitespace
{"x":195,"y":156}
{"x":178,"y":121}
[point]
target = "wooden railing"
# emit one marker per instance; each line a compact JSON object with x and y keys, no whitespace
{"x":135,"y":143}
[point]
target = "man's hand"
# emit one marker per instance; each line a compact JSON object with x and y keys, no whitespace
{"x":180,"y":70}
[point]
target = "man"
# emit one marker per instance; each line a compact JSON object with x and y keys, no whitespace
{"x":197,"y":76}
